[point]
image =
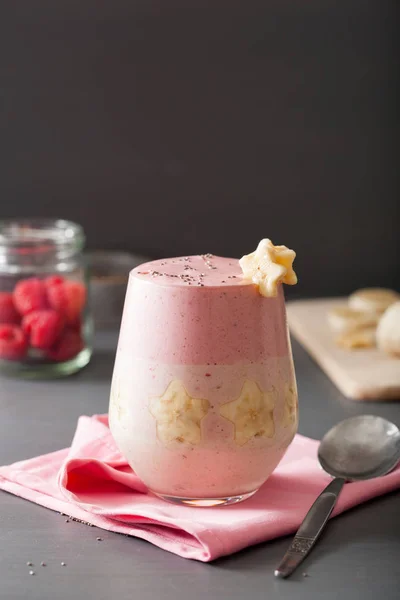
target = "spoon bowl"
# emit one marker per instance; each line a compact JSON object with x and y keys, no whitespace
{"x":360,"y":448}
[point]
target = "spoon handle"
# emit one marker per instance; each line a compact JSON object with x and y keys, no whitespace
{"x":310,"y":529}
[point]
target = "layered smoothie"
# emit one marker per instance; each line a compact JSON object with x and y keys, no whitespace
{"x":203,"y":400}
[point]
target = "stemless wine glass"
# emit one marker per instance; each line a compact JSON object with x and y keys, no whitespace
{"x":203,"y":399}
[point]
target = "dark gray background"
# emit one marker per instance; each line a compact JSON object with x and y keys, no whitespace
{"x":182,"y":126}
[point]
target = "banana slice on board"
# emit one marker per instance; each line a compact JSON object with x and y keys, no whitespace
{"x":375,"y":300}
{"x":388,"y":331}
{"x":359,"y":338}
{"x":343,"y":319}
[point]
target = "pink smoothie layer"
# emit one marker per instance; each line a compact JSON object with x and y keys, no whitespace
{"x":200,"y":310}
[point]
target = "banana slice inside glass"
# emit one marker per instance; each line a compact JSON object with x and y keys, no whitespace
{"x":178,"y":415}
{"x":290,"y":409}
{"x":251,"y":413}
{"x":118,"y":408}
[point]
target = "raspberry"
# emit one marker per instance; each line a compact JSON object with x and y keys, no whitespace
{"x":69,"y":346}
{"x":76,"y":326}
{"x":8,"y":312}
{"x":53,"y":280}
{"x":13,"y":343}
{"x":43,"y":328}
{"x":68,"y":298}
{"x":29,"y":295}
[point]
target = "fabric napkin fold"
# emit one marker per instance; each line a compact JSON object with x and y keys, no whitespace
{"x":92,"y":482}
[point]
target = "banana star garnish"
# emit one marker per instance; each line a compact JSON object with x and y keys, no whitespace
{"x":268,"y":266}
{"x":178,"y":416}
{"x":290,"y":407}
{"x":251,"y":413}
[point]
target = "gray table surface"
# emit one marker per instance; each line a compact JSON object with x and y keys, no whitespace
{"x":358,"y":556}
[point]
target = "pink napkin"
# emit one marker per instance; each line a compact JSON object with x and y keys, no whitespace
{"x":92,"y":482}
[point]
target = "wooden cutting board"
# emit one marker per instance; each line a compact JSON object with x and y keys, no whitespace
{"x":364,"y":374}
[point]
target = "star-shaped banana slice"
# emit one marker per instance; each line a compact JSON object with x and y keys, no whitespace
{"x":290,"y":407}
{"x":178,"y":416}
{"x":268,"y":266}
{"x":251,"y":413}
{"x":117,"y":410}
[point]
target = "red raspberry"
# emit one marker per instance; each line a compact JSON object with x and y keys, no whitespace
{"x":69,"y":346}
{"x":43,"y":328}
{"x":8,"y":312}
{"x":76,"y":326}
{"x":13,"y":343}
{"x":29,"y":295}
{"x":53,"y":280}
{"x":68,"y":298}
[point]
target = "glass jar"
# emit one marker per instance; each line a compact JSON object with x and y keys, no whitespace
{"x":203,"y":400}
{"x":45,"y":323}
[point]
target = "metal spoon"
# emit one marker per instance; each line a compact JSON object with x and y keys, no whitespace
{"x":358,"y":448}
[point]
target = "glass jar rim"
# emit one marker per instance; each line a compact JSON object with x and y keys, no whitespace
{"x":37,"y":235}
